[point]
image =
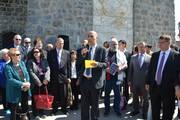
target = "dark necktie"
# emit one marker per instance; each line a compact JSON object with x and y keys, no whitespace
{"x":89,"y":55}
{"x":159,"y":72}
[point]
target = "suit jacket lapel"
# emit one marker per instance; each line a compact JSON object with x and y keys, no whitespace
{"x":95,"y":53}
{"x":56,"y":55}
{"x":137,"y":62}
{"x":145,"y":60}
{"x":62,"y":58}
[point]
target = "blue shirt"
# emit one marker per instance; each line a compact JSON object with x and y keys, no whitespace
{"x":2,"y":75}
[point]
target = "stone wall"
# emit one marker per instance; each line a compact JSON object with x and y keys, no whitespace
{"x":151,"y":18}
{"x":49,"y":18}
{"x":113,"y":18}
{"x":13,"y":15}
{"x":132,"y":20}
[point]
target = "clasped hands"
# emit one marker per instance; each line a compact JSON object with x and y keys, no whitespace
{"x":26,"y":86}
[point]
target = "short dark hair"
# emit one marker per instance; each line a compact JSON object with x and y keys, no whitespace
{"x":122,"y":41}
{"x":149,"y":46}
{"x":73,"y":52}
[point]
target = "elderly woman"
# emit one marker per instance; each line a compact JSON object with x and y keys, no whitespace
{"x":17,"y":87}
{"x":40,"y":76}
{"x":4,"y":59}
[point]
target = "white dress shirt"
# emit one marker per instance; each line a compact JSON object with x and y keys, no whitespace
{"x":59,"y":52}
{"x":92,"y":57}
{"x":73,"y":70}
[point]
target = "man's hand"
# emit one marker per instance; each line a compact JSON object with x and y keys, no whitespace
{"x":94,"y":64}
{"x":84,"y":51}
{"x":68,"y":80}
{"x":147,"y":87}
{"x":45,"y":82}
{"x":129,"y":83}
{"x":77,"y":82}
{"x":177,"y":92}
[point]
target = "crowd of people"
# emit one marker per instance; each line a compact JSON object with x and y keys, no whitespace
{"x":28,"y":70}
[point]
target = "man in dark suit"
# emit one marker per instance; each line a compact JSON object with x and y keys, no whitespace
{"x":17,"y":39}
{"x":138,"y":69}
{"x":90,"y":80}
{"x":161,"y":79}
{"x":59,"y":60}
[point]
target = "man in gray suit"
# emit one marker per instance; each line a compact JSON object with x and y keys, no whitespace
{"x":138,"y":69}
{"x":91,"y":78}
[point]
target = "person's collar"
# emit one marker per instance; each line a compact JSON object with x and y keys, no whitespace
{"x":124,"y":50}
{"x":166,"y":52}
{"x":94,"y":46}
{"x":8,"y":61}
{"x":57,"y":49}
{"x":16,"y":45}
{"x":142,"y":53}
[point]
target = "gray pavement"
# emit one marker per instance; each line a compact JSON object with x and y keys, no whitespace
{"x":75,"y":115}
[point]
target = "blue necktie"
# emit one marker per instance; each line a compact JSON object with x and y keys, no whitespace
{"x":140,"y":60}
{"x":159,"y":72}
{"x":89,"y":57}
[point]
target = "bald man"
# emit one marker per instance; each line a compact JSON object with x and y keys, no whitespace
{"x":59,"y":60}
{"x":90,"y":79}
{"x":17,"y":39}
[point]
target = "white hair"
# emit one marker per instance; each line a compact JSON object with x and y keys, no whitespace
{"x":27,"y":39}
{"x":3,"y":51}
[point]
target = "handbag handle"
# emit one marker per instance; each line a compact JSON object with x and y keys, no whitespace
{"x":45,"y":90}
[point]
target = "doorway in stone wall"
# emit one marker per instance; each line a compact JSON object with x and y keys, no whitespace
{"x":7,"y":39}
{"x":66,"y":41}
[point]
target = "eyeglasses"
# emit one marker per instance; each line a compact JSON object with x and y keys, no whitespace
{"x":114,"y":44}
{"x":27,"y":42}
{"x":16,"y":54}
{"x":18,"y":39}
{"x":90,"y":36}
{"x":164,"y":38}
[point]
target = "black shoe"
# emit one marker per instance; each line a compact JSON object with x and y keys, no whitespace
{"x":106,"y":113}
{"x":144,"y":116}
{"x":133,"y":113}
{"x":65,"y":112}
{"x":54,"y":112}
{"x":118,"y":114}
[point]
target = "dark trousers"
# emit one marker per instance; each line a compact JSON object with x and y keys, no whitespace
{"x":126,"y":89}
{"x":6,"y":106}
{"x":75,"y":92}
{"x":15,"y":108}
{"x":111,"y":84}
{"x":144,"y":98}
{"x":58,"y":91}
{"x":36,"y":91}
{"x":167,"y":99}
{"x":89,"y":97}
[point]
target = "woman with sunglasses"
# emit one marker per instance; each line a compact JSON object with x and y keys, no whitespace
{"x":17,"y":87}
{"x":40,"y":76}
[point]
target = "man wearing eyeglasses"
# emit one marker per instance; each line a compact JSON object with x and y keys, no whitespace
{"x":161,"y":79}
{"x":27,"y":47}
{"x":17,"y":39}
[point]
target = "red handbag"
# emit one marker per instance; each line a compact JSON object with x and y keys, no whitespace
{"x":43,"y":101}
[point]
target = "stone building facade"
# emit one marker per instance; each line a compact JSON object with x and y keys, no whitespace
{"x":132,"y":20}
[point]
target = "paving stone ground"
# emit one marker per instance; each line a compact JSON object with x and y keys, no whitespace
{"x":75,"y":115}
